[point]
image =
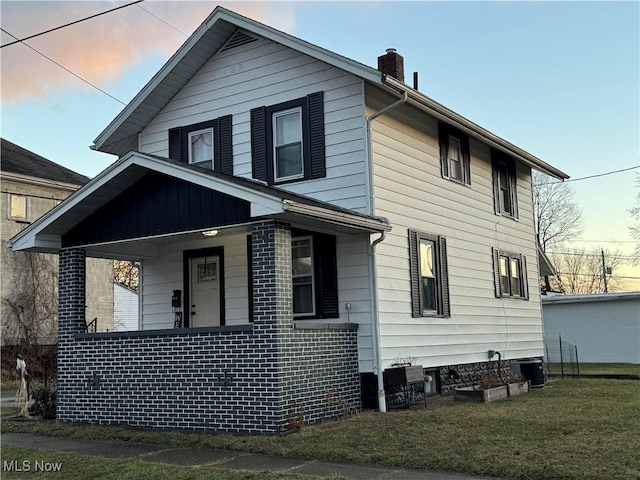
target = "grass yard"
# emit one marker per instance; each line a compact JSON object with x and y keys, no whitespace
{"x":596,"y":369}
{"x":584,"y":429}
{"x":73,"y":466}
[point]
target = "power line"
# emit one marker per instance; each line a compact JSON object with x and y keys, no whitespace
{"x":588,"y":177}
{"x":591,"y":254}
{"x":68,"y":24}
{"x":166,"y":23}
{"x":595,"y":275}
{"x":66,"y":69}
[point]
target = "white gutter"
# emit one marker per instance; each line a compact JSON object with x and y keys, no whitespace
{"x":373,"y":267}
{"x":441,"y":112}
{"x":337,"y":218}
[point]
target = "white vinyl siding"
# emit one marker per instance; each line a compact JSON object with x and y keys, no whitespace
{"x":125,"y":309}
{"x":411,"y":192}
{"x":264,"y":73}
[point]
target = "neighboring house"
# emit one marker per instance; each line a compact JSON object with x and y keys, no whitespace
{"x":125,"y":308}
{"x":31,"y":187}
{"x":605,"y":326}
{"x":303,"y":221}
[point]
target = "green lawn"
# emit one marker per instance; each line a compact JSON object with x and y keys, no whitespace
{"x":583,"y":429}
{"x":597,"y":368}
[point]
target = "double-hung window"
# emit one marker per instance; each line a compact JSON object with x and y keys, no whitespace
{"x":201,"y":148}
{"x":510,"y":272}
{"x":206,"y":144}
{"x":287,"y":141}
{"x":288,"y":156}
{"x":504,"y":185}
{"x":455,"y":156}
{"x":302,"y":274}
{"x":429,"y":275}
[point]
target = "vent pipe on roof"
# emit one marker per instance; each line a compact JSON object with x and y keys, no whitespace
{"x":392,"y":64}
{"x":415,"y":80}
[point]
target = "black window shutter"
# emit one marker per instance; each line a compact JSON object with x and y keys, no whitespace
{"x":525,"y":277}
{"x":496,"y":187}
{"x":175,"y":144}
{"x":466,"y":159}
{"x":444,"y":277}
{"x":414,"y":266}
{"x":259,"y":143}
{"x":496,"y":272}
{"x":225,"y":142}
{"x":250,"y":277}
{"x":315,"y":103}
{"x":326,"y":273}
{"x":443,"y":133}
{"x":513,"y":190}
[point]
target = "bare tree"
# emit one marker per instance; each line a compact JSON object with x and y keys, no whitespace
{"x":30,"y":307}
{"x":581,"y":271}
{"x":557,"y":216}
{"x":634,"y":228}
{"x":126,"y":272}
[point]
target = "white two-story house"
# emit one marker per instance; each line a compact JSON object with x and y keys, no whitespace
{"x":303,"y":222}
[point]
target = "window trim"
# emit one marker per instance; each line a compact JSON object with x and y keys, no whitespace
{"x":179,"y":145}
{"x":503,"y":163}
{"x":274,"y":116}
{"x":312,"y":313}
{"x":443,"y":306}
{"x":498,"y":254}
{"x":445,"y":133}
{"x":10,"y":214}
{"x":313,"y":139}
{"x":190,"y":134}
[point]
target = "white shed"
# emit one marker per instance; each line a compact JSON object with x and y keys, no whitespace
{"x":605,"y":327}
{"x":125,"y":309}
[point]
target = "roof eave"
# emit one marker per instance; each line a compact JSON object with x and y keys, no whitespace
{"x":441,"y":112}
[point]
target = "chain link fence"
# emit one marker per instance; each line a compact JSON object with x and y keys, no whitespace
{"x":561,"y":358}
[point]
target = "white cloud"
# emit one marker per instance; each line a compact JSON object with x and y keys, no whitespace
{"x":100,"y":49}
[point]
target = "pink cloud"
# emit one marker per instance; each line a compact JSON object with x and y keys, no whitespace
{"x":100,"y":49}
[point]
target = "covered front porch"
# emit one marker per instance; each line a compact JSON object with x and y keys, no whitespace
{"x":240,"y":323}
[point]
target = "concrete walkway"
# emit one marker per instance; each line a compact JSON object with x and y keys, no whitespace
{"x":229,"y":460}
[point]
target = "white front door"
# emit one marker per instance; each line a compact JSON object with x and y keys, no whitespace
{"x":204,"y":292}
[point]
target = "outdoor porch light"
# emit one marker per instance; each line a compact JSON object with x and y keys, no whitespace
{"x":210,"y":233}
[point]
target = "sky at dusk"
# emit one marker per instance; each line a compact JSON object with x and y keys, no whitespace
{"x":558,"y":79}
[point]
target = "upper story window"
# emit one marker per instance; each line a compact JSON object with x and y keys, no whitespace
{"x":287,"y":140}
{"x":510,"y":274}
{"x":205,"y":144}
{"x":455,"y":156}
{"x":288,"y":158}
{"x":504,"y":185}
{"x":18,"y":207}
{"x":201,"y":148}
{"x":429,"y":275}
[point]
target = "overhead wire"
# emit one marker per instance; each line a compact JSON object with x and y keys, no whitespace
{"x":20,"y":40}
{"x":66,"y":69}
{"x":588,"y":177}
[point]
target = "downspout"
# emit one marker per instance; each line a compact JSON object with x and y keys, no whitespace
{"x":373,"y":268}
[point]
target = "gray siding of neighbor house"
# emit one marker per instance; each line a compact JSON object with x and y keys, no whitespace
{"x":605,"y":330}
{"x":410,"y":191}
{"x":265,"y":73}
{"x":248,"y":378}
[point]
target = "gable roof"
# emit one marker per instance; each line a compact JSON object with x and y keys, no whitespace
{"x":45,"y":235}
{"x":121,"y":135}
{"x":15,"y":159}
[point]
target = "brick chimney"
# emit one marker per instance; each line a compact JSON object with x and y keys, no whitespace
{"x":392,"y":64}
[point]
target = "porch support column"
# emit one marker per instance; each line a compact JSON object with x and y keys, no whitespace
{"x":272,"y":285}
{"x":71,"y":320}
